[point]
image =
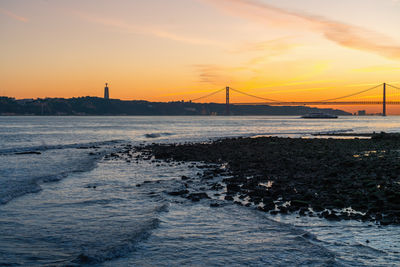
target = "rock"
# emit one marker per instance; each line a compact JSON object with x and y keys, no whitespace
{"x":197,"y":196}
{"x":258,"y":192}
{"x":232,"y":188}
{"x":299,"y":203}
{"x":321,"y":174}
{"x":283,"y":209}
{"x":268,"y":204}
{"x":386,"y":220}
{"x":317,"y":208}
{"x":214,"y":205}
{"x":228,"y":197}
{"x":216,"y":187}
{"x":303,"y":211}
{"x":332,"y":217}
{"x":178,"y":193}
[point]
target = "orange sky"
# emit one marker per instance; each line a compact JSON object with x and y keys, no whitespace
{"x":161,"y":50}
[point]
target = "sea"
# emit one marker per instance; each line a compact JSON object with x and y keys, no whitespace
{"x":65,"y":202}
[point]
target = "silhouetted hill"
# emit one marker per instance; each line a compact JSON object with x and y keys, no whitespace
{"x":100,"y":106}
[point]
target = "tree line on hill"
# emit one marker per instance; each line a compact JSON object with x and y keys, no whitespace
{"x":91,"y":106}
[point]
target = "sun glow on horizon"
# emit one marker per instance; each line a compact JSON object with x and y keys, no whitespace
{"x":182,"y":49}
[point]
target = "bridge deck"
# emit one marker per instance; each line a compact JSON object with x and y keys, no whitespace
{"x":341,"y":103}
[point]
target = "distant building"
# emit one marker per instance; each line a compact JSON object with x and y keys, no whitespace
{"x":25,"y":101}
{"x":106,"y":92}
{"x":361,"y":113}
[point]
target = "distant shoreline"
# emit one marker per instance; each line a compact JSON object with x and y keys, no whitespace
{"x":95,"y":106}
{"x":123,"y":115}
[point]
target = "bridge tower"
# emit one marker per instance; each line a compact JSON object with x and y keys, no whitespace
{"x":227,"y":102}
{"x":384,"y":100}
{"x":106,"y":92}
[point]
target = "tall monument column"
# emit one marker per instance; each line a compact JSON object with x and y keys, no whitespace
{"x":106,"y":92}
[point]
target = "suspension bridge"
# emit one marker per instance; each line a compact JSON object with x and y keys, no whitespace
{"x":382,"y":94}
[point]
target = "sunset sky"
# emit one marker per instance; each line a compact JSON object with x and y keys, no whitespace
{"x":161,"y":50}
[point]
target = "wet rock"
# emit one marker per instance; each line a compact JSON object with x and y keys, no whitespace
{"x":318,"y":173}
{"x":178,"y":193}
{"x":283,"y":209}
{"x":332,"y":216}
{"x":216,"y":186}
{"x":197,"y":196}
{"x":299,"y":203}
{"x":232,"y":188}
{"x":387,"y":220}
{"x":303,"y":211}
{"x":228,"y":197}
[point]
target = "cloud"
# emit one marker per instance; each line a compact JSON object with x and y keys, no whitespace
{"x":13,"y":15}
{"x":212,"y":74}
{"x":145,"y":30}
{"x":346,"y":35}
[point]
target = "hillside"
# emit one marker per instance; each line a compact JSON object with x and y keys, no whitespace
{"x":99,"y":106}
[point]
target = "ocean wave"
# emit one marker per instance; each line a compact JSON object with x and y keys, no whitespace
{"x":162,"y":208}
{"x":12,"y":188}
{"x":310,"y":236}
{"x":369,"y":249}
{"x":36,"y":149}
{"x":336,"y":131}
{"x":118,"y":248}
{"x":96,"y":202}
{"x":157,"y":135}
{"x":17,"y":188}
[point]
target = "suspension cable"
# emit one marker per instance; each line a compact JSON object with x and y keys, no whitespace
{"x":273,"y":100}
{"x":205,"y":96}
{"x":259,"y":97}
{"x":363,"y":91}
{"x":395,"y":87}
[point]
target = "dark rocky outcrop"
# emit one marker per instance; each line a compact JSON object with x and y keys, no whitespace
{"x":317,"y":174}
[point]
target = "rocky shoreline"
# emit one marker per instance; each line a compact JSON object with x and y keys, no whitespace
{"x":338,"y":179}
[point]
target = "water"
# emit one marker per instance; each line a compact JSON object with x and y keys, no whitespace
{"x":71,"y":206}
